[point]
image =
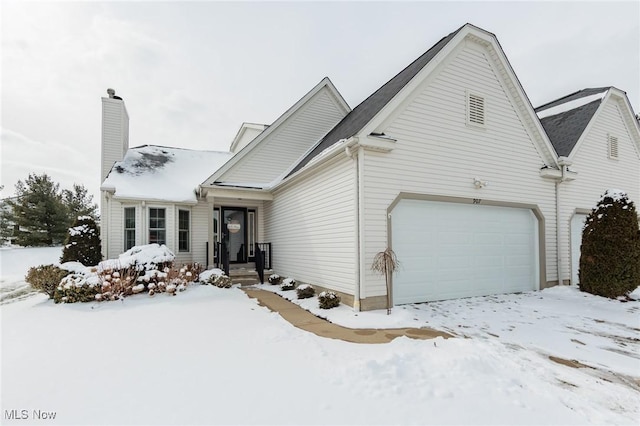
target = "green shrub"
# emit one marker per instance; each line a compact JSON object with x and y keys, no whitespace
{"x":305,"y":291}
{"x":288,"y":284}
{"x":275,"y":279}
{"x":215,"y":277}
{"x":328,"y":300}
{"x":76,"y":288}
{"x":82,"y":243}
{"x":45,"y":278}
{"x":610,"y":252}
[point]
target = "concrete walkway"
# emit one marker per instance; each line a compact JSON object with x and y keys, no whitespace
{"x":307,"y":321}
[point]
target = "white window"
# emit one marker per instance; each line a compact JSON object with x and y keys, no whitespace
{"x":129,"y":227}
{"x":475,"y":110}
{"x":612,"y":142}
{"x":157,"y":226}
{"x":183,"y":230}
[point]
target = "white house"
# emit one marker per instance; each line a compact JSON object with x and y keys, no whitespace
{"x":447,"y":163}
{"x":596,"y":137}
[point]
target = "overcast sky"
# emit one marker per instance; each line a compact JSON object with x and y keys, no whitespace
{"x":191,"y":72}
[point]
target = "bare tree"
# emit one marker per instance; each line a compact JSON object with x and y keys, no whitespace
{"x":386,"y":263}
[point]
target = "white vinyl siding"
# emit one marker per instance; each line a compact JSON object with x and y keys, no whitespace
{"x":199,"y":235}
{"x":312,"y":226}
{"x":437,"y":153}
{"x":115,"y":133}
{"x":597,"y":173}
{"x":288,"y":143}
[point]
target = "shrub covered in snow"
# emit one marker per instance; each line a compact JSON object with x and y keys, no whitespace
{"x":118,"y":284}
{"x":275,"y":279}
{"x":215,"y":277}
{"x":610,"y":252}
{"x":77,"y":287}
{"x":288,"y":284}
{"x":305,"y":291}
{"x":45,"y":278}
{"x":141,"y":258}
{"x":328,"y":300}
{"x":82,"y":243}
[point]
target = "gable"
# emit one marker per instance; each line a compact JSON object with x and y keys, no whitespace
{"x":435,"y":130}
{"x":613,"y":119}
{"x":367,"y":109}
{"x":377,"y":111}
{"x":282,"y":143}
{"x":287,"y":144}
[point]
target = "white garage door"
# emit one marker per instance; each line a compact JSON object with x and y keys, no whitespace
{"x":451,"y":250}
{"x":577,"y":223}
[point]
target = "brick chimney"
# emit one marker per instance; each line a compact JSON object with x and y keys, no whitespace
{"x":115,"y":132}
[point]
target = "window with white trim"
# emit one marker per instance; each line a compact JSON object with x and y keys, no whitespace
{"x":475,"y":109}
{"x":183,"y":230}
{"x":157,"y":226}
{"x":129,"y":227}
{"x":612,"y":143}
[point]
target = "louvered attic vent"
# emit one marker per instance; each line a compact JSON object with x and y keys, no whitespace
{"x":613,"y":147}
{"x":475,"y":109}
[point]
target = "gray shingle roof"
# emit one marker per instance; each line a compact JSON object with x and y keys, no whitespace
{"x":565,"y":129}
{"x":353,"y":122}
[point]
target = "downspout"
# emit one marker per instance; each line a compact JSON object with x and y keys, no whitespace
{"x":558,"y":245}
{"x":563,"y":162}
{"x":357,"y":164}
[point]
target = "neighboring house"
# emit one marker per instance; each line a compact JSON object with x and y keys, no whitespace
{"x":596,"y":137}
{"x":447,"y":164}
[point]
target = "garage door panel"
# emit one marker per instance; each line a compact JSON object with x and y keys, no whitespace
{"x":450,"y":250}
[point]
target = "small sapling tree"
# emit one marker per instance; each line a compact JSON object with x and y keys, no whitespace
{"x":386,"y":263}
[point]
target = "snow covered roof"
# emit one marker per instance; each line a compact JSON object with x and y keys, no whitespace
{"x":565,"y":119}
{"x":161,"y":173}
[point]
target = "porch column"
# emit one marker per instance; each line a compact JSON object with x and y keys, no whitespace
{"x":210,"y":238}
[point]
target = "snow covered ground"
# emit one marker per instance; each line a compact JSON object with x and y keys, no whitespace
{"x":213,"y":356}
{"x":14,"y":264}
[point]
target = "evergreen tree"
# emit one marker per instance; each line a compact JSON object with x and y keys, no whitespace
{"x":39,"y":212}
{"x":83,"y":242}
{"x":610,"y":252}
{"x":7,"y":225}
{"x":79,"y":203}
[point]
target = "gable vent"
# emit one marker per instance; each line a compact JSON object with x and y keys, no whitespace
{"x":613,"y":147}
{"x":475,"y":108}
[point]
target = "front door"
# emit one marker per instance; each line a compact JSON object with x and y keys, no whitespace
{"x":234,"y":231}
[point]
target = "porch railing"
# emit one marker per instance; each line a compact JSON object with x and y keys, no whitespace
{"x":263,"y":256}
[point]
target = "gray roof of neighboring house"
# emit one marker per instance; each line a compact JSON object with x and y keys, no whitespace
{"x":353,"y":122}
{"x":564,"y":129}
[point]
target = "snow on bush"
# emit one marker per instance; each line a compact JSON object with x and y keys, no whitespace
{"x":305,"y":291}
{"x":275,"y":279}
{"x":147,"y":257}
{"x":82,"y":243}
{"x":288,"y":284}
{"x":77,"y":287}
{"x":215,"y":277}
{"x":45,"y":278}
{"x":328,"y":300}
